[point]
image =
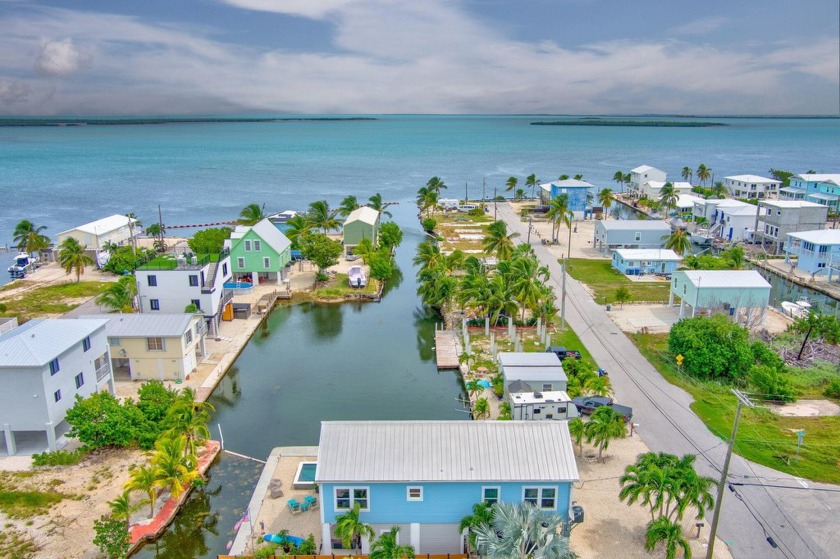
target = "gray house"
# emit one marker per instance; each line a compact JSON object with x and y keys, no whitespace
{"x":44,"y":365}
{"x":777,"y":218}
{"x":532,"y":372}
{"x":742,"y":294}
{"x":630,"y":233}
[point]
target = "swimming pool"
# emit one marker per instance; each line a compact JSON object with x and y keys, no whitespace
{"x":239,"y":285}
{"x":484,"y":383}
{"x":305,"y":476}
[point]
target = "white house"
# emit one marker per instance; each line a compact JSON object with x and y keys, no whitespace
{"x":643,"y":174}
{"x":736,"y":221}
{"x":752,"y":186}
{"x":653,"y":189}
{"x":44,"y":365}
{"x":96,"y":234}
{"x":742,"y":294}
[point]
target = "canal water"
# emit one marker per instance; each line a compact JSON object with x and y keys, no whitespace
{"x":312,"y":363}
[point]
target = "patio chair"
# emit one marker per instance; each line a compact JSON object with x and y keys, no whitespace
{"x":304,"y":506}
{"x":311,"y":501}
{"x":294,"y":506}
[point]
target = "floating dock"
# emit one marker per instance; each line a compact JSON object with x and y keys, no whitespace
{"x":446,"y":349}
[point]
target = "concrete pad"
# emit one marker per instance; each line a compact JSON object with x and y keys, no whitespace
{"x":807,"y":408}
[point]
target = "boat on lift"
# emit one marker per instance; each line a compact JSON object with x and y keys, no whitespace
{"x":24,"y":264}
{"x":702,"y":237}
{"x":799,"y":309}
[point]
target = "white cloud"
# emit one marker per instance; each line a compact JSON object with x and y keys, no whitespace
{"x":14,"y":92}
{"x":314,"y":9}
{"x":59,"y":58}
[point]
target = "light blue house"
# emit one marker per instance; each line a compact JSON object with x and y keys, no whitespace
{"x":814,"y":250}
{"x":579,"y":192}
{"x":742,"y":294}
{"x":630,"y":233}
{"x":637,"y":261}
{"x":820,"y":188}
{"x":425,"y":476}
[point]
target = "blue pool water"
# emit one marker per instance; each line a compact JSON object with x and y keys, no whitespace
{"x":239,"y":285}
{"x":484,"y":383}
{"x":307,"y":472}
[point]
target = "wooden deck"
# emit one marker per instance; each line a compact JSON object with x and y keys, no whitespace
{"x":446,"y":349}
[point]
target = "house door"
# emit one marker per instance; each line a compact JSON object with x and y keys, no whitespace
{"x":730,"y":234}
{"x":663,"y":268}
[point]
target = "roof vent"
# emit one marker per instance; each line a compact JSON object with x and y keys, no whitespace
{"x":538,"y":395}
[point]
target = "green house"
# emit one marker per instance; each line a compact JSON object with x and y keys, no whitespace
{"x":362,"y":223}
{"x":259,"y":251}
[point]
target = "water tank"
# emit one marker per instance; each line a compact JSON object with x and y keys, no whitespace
{"x":194,"y":259}
{"x":182,"y":261}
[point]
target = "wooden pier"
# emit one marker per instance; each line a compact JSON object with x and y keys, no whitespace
{"x":446,"y":349}
{"x":267,"y":301}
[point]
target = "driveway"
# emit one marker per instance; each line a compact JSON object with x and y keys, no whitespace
{"x":802,"y":518}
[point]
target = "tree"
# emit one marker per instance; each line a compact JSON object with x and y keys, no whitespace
{"x":668,"y":196}
{"x":157,"y":230}
{"x":350,"y":528}
{"x":428,"y":224}
{"x":111,"y":538}
{"x":511,"y":183}
{"x":669,"y":533}
{"x":622,"y":295}
{"x":618,"y":177}
{"x":735,"y":256}
{"x":154,"y":400}
{"x":29,"y":238}
{"x":174,"y":466}
{"x":679,"y":241}
{"x":522,"y":531}
{"x":348,"y":205}
{"x":473,"y":386}
{"x":482,"y":513}
{"x":605,"y":198}
{"x":381,"y":267}
{"x":209,"y":241}
{"x":577,"y":428}
{"x":321,"y":217}
{"x":386,"y":547}
{"x":527,"y":280}
{"x":498,"y":241}
{"x":772,"y":383}
{"x":377,"y":204}
{"x":703,"y":173}
{"x":558,"y":212}
{"x":119,"y":296}
{"x":133,"y":223}
{"x":101,"y":421}
{"x":435,"y":184}
{"x":687,"y":174}
{"x":296,"y":227}
{"x":72,"y":257}
{"x":143,"y":478}
{"x":390,"y":235}
{"x":189,"y":417}
{"x":321,"y":250}
{"x":481,"y":408}
{"x":532,"y":181}
{"x":251,"y":214}
{"x":720,"y":190}
{"x":520,"y":194}
{"x":713,"y":347}
{"x":604,"y":425}
{"x":122,"y":509}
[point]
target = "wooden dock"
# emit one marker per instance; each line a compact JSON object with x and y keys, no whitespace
{"x":446,"y":349}
{"x":267,"y":301}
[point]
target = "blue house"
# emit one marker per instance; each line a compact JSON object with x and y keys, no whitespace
{"x":637,"y":261}
{"x":814,"y":250}
{"x":425,"y":476}
{"x":820,"y":188}
{"x":579,"y":192}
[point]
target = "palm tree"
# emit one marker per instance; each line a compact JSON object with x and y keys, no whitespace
{"x":558,"y":212}
{"x":605,"y":198}
{"x":532,"y":181}
{"x":628,"y":178}
{"x":143,"y":478}
{"x":577,"y":428}
{"x":427,"y":199}
{"x":347,"y":206}
{"x":133,"y":223}
{"x":597,"y":386}
{"x":605,"y":424}
{"x":618,"y":177}
{"x":296,"y":227}
{"x":482,"y":513}
{"x":320,"y":216}
{"x":351,"y":529}
{"x":498,"y":241}
{"x":522,"y":531}
{"x":72,"y":257}
{"x":29,"y":238}
{"x":189,"y":418}
{"x":174,"y":466}
{"x":122,"y":509}
{"x":668,"y":196}
{"x":735,"y":255}
{"x":719,"y":190}
{"x":703,"y":173}
{"x":670,"y":533}
{"x":473,"y":386}
{"x":157,"y":230}
{"x":386,"y":547}
{"x":481,"y":409}
{"x":511,"y":184}
{"x":120,"y":295}
{"x":578,"y":177}
{"x":528,"y":278}
{"x":563,"y":177}
{"x":428,"y":255}
{"x":436,"y":185}
{"x":687,"y":174}
{"x":377,"y":204}
{"x":679,"y":241}
{"x":251,"y":214}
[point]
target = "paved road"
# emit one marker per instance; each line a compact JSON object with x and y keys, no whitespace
{"x":804,"y":523}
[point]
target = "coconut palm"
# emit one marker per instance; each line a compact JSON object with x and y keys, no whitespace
{"x":719,"y":190}
{"x":687,"y":174}
{"x":435,"y":184}
{"x":157,"y":230}
{"x":482,"y":513}
{"x":386,"y":547}
{"x":511,"y":183}
{"x":296,"y":227}
{"x":597,"y":386}
{"x":532,"y":181}
{"x":679,"y":241}
{"x":558,"y":212}
{"x":320,"y":216}
{"x":143,"y":478}
{"x":669,"y":533}
{"x":498,"y":241}
{"x":577,"y":428}
{"x":481,"y":409}
{"x":735,"y":255}
{"x":251,"y":214}
{"x":605,"y":198}
{"x":122,"y":509}
{"x":428,"y":255}
{"x":72,"y":257}
{"x":350,"y":528}
{"x":578,"y":177}
{"x":668,"y":196}
{"x":120,"y":295}
{"x":522,"y":531}
{"x":703,"y":173}
{"x":427,"y":199}
{"x":347,"y":206}
{"x":500,"y":300}
{"x":563,"y":177}
{"x":628,"y":178}
{"x":377,"y":204}
{"x":133,"y":224}
{"x":528,"y":278}
{"x":29,"y":238}
{"x":473,"y":387}
{"x":618,"y":177}
{"x":174,"y":466}
{"x":189,"y":418}
{"x":604,"y":425}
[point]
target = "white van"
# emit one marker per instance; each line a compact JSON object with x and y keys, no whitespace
{"x":466,"y":207}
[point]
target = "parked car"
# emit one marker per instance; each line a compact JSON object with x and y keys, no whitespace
{"x":588,"y":404}
{"x":562,"y":352}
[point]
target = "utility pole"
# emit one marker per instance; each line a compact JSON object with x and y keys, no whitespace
{"x":483,"y":190}
{"x":563,"y":296}
{"x":743,"y":400}
{"x":466,"y":194}
{"x":530,"y":225}
{"x":494,"y":204}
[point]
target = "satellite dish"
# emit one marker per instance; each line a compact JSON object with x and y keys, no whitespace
{"x":123,"y":353}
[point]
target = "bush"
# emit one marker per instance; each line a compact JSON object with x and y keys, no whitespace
{"x":477,"y":212}
{"x":101,"y":421}
{"x":380,"y":265}
{"x":712,"y":347}
{"x":209,"y":241}
{"x":58,"y":458}
{"x":429,"y":224}
{"x":772,"y":383}
{"x":833,"y":389}
{"x":111,"y":537}
{"x":266,"y":550}
{"x":390,"y":235}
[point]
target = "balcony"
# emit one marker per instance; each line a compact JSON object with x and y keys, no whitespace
{"x":103,"y":372}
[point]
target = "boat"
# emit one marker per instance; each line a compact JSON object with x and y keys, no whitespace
{"x":356,"y":276}
{"x":702,"y":237}
{"x":283,"y":538}
{"x":799,"y":309}
{"x":282,"y":217}
{"x":24,"y":264}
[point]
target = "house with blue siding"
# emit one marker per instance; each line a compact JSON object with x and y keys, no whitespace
{"x":741,"y":294}
{"x":579,"y":192}
{"x":630,"y":233}
{"x":637,"y":261}
{"x":814,"y":250}
{"x":819,"y":188}
{"x":425,"y":476}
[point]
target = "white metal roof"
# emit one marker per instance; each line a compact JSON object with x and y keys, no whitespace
{"x":793,"y":189}
{"x":789,"y":204}
{"x":824,"y":196}
{"x":648,"y":254}
{"x":716,"y":279}
{"x":679,"y":185}
{"x":38,"y":342}
{"x":550,"y":396}
{"x":687,"y":200}
{"x":818,"y":177}
{"x":534,"y":374}
{"x":635,"y":225}
{"x":445,"y":451}
{"x":746,"y":209}
{"x":365,"y":214}
{"x":267,"y":231}
{"x":645,"y":169}
{"x":752,"y":178}
{"x":144,"y":325}
{"x":571,"y":183}
{"x":102,"y":226}
{"x":819,"y":236}
{"x":529,"y":359}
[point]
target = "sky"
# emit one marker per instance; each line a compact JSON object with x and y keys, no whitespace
{"x":243,"y":57}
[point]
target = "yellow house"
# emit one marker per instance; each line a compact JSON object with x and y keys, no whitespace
{"x":154,"y":346}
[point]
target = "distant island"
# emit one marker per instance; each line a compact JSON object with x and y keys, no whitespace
{"x":164,"y":120}
{"x":609,"y":122}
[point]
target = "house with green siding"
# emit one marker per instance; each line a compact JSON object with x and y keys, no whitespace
{"x":260,"y":252}
{"x":362,"y":223}
{"x":742,"y":294}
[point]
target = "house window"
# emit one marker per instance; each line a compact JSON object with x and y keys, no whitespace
{"x":240,"y":262}
{"x":80,"y":380}
{"x":114,"y":341}
{"x":266,"y":262}
{"x":546,"y":388}
{"x":188,"y":337}
{"x":541,"y":497}
{"x":685,"y":289}
{"x":346,"y":498}
{"x":152,"y":281}
{"x":196,"y":302}
{"x":247,"y":246}
{"x":224,"y":269}
{"x":54,"y":366}
{"x":57,"y":395}
{"x":638,"y":237}
{"x":414,"y":494}
{"x":154,"y":344}
{"x":154,"y":304}
{"x":257,"y":246}
{"x":193,"y":280}
{"x":490,"y":495}
{"x":86,"y":344}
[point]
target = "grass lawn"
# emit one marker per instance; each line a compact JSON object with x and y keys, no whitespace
{"x":53,"y":299}
{"x":604,"y":280}
{"x":763,"y":437}
{"x":338,"y":288}
{"x":567,"y":338}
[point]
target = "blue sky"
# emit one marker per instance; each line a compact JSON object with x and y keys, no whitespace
{"x":90,"y":57}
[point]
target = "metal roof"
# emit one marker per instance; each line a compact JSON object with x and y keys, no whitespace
{"x":144,"y":325}
{"x":647,"y":254}
{"x":102,"y":226}
{"x":571,"y":183}
{"x":645,"y":169}
{"x":519,"y":386}
{"x":824,"y":196}
{"x":716,"y":279}
{"x":819,"y":236}
{"x":753,"y":178}
{"x":534,"y":374}
{"x":678,"y":185}
{"x":635,"y":225}
{"x":529,"y":359}
{"x":789,"y":204}
{"x":793,"y":190}
{"x":445,"y":451}
{"x":365,"y":214}
{"x":37,"y":342}
{"x":266,"y":230}
{"x":818,"y":177}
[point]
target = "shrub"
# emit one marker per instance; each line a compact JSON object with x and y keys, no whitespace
{"x":100,"y":421}
{"x":111,"y":537}
{"x":390,"y":235}
{"x":772,"y":383}
{"x":712,"y":347}
{"x":209,"y":241}
{"x":266,"y":550}
{"x":58,"y":458}
{"x":429,"y":224}
{"x":833,"y":389}
{"x":380,"y":265}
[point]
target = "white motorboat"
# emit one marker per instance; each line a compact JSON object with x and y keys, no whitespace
{"x":702,"y":237}
{"x":24,"y":264}
{"x":799,"y":309}
{"x":282,"y":217}
{"x":356,"y":276}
